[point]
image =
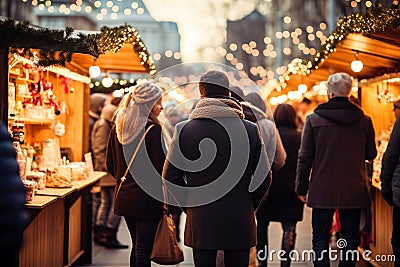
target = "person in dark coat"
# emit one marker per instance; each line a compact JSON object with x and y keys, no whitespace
{"x":210,"y":167}
{"x":337,"y":140}
{"x":142,"y":212}
{"x":390,"y":177}
{"x":107,"y":222}
{"x":97,"y":102}
{"x":282,"y":204}
{"x":12,"y":202}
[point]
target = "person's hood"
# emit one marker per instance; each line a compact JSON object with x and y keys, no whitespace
{"x":108,"y":112}
{"x":340,"y":110}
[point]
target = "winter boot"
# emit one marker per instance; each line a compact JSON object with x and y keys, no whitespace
{"x":288,"y":241}
{"x":97,"y":233}
{"x":111,"y":240}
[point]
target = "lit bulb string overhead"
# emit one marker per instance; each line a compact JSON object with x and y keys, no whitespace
{"x":375,"y":20}
{"x":96,"y":8}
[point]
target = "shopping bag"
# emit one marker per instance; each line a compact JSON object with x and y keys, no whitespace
{"x":166,"y":249}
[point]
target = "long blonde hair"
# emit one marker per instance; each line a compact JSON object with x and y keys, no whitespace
{"x":135,"y":110}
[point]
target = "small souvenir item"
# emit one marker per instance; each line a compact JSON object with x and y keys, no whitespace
{"x":59,"y":129}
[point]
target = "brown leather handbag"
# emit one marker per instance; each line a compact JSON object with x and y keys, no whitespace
{"x":166,"y":249}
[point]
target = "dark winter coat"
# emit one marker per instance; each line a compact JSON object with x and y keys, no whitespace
{"x":337,"y":139}
{"x":390,"y":173}
{"x":282,"y":204}
{"x":132,"y":200}
{"x":100,"y":134}
{"x":12,"y":202}
{"x":227,"y":222}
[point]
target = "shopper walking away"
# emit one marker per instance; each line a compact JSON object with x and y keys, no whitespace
{"x":222,"y":217}
{"x":282,"y":204}
{"x":136,"y":114}
{"x":390,"y":177}
{"x":107,"y":222}
{"x":337,"y":140}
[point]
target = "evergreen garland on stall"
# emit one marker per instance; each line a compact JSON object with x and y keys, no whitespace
{"x":375,"y":20}
{"x":48,"y":47}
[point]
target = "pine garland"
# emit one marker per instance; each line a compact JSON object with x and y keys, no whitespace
{"x":56,"y":47}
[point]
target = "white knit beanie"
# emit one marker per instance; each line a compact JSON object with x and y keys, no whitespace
{"x":134,"y":111}
{"x":340,"y":84}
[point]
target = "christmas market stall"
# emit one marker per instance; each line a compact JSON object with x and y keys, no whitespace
{"x":44,"y":88}
{"x":366,"y":46}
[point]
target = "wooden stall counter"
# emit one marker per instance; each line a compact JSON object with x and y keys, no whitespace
{"x":381,"y":225}
{"x":59,"y":229}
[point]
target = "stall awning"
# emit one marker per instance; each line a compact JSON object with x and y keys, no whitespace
{"x":375,"y":35}
{"x":125,"y":60}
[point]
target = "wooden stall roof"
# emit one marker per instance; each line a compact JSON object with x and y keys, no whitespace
{"x":374,"y":34}
{"x":380,"y":54}
{"x":117,"y":49}
{"x":125,"y":60}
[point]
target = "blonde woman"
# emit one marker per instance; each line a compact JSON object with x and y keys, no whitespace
{"x":138,"y":112}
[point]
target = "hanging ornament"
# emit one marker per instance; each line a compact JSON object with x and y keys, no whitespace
{"x":66,"y":83}
{"x":59,"y":129}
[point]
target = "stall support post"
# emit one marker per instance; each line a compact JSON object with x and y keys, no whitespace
{"x":4,"y":83}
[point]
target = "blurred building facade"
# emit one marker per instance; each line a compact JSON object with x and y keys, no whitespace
{"x":160,"y":37}
{"x":17,"y":10}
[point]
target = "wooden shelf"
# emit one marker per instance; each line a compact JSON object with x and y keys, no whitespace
{"x":31,"y":121}
{"x":26,"y":80}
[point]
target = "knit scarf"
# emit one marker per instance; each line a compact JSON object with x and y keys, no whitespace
{"x":217,"y":108}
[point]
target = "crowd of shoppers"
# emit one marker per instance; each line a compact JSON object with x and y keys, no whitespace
{"x":307,"y":165}
{"x":270,"y":170}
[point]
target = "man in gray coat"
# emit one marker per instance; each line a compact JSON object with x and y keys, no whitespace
{"x":337,"y":140}
{"x":390,"y":177}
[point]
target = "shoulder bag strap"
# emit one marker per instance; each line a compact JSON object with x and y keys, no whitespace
{"x":123,"y":178}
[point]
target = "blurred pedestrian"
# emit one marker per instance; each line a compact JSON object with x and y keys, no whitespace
{"x":282,"y":204}
{"x":97,"y":102}
{"x":136,"y":114}
{"x":228,"y":222}
{"x":337,"y":140}
{"x":304,"y":108}
{"x":12,"y":202}
{"x":173,"y":115}
{"x":257,"y":112}
{"x":390,"y":177}
{"x":107,"y":222}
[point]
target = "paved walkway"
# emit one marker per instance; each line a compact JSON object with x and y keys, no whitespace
{"x":103,"y":257}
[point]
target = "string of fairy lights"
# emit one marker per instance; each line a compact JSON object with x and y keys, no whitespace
{"x":267,"y":50}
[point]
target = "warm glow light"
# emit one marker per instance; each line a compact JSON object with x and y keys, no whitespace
{"x":107,"y":81}
{"x":140,"y":11}
{"x":94,"y":71}
{"x":97,"y":4}
{"x":110,"y":3}
{"x":287,"y":19}
{"x":127,"y":11}
{"x":357,"y":65}
{"x":168,"y":53}
{"x":134,"y":5}
{"x":302,"y":88}
{"x":88,"y":9}
{"x":113,"y":15}
{"x":233,"y":47}
{"x":267,"y":40}
{"x":115,"y":8}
